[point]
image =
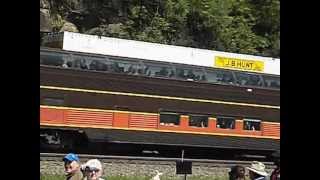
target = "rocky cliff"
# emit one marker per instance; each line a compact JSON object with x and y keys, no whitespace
{"x":79,"y":15}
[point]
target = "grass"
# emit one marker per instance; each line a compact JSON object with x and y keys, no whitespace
{"x":61,"y":177}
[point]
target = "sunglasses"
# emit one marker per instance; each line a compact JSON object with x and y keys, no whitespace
{"x":91,"y":169}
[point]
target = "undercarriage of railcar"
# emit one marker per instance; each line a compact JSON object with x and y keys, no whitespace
{"x":59,"y":140}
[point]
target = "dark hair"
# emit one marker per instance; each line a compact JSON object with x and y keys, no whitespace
{"x":277,"y":162}
{"x":233,"y":174}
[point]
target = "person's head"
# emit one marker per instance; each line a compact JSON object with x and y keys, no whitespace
{"x":241,"y":171}
{"x":257,"y":169}
{"x":237,"y":172}
{"x":277,"y":162}
{"x":71,"y":163}
{"x":92,"y":169}
{"x":276,"y":158}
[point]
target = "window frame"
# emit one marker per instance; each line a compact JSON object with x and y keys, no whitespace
{"x":226,"y":117}
{"x":170,"y":123}
{"x":206,"y":124}
{"x":61,"y":99}
{"x":251,"y":120}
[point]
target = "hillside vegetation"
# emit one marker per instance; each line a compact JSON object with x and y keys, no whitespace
{"x":239,"y":26}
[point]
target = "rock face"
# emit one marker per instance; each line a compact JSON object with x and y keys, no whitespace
{"x":51,"y":9}
{"x":44,"y":4}
{"x":68,"y":26}
{"x":80,"y":15}
{"x":45,"y":21}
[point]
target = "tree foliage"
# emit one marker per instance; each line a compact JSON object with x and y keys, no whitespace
{"x":239,"y":26}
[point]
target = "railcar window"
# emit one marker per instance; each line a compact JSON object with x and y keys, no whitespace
{"x":51,"y":59}
{"x":125,"y":67}
{"x":251,"y":124}
{"x":68,"y":60}
{"x":74,"y":61}
{"x":211,"y":76}
{"x":225,"y":77}
{"x":98,"y":65}
{"x":159,"y":70}
{"x":53,"y":101}
{"x":190,"y":74}
{"x":142,"y":69}
{"x":115,"y":67}
{"x":169,"y":119}
{"x":219,"y":76}
{"x":198,"y":121}
{"x":248,"y":79}
{"x":271,"y":81}
{"x":80,"y":63}
{"x":225,"y":122}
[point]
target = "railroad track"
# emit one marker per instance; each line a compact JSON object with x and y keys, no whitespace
{"x":152,"y":160}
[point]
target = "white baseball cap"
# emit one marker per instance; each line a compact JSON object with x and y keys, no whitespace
{"x":93,"y":164}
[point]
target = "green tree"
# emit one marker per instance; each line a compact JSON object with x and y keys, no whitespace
{"x":237,"y":33}
{"x":239,"y":26}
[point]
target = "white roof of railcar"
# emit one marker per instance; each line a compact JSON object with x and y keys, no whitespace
{"x":166,"y":53}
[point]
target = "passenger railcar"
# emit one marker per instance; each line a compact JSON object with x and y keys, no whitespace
{"x":126,"y":101}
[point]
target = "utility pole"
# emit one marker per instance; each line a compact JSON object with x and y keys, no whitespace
{"x":182,"y":156}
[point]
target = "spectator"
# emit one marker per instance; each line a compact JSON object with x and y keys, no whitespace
{"x":69,"y":64}
{"x":116,"y":68}
{"x":157,"y":176}
{"x":190,"y":75}
{"x":257,"y":171}
{"x":247,"y":125}
{"x":203,"y":78}
{"x":130,"y":70}
{"x":172,"y":74}
{"x":223,"y":125}
{"x":275,"y":175}
{"x":83,"y":64}
{"x":93,"y":65}
{"x":231,"y":125}
{"x":227,"y":78}
{"x":180,"y":73}
{"x":140,"y":71}
{"x":237,"y":173}
{"x":101,"y":66}
{"x":163,"y":72}
{"x":253,"y":128}
{"x":92,"y":170}
{"x":77,"y":63}
{"x":72,"y":167}
{"x":203,"y":124}
{"x":146,"y":70}
{"x":65,"y":65}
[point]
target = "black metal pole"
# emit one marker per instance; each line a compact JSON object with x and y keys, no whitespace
{"x":182,"y":156}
